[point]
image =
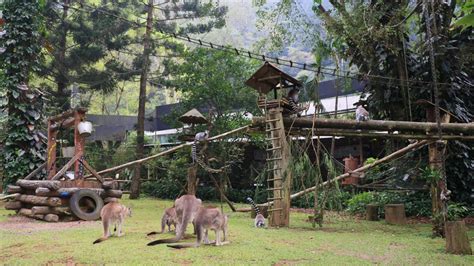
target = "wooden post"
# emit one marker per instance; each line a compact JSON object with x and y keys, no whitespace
{"x":372,"y":212}
{"x":457,"y":241}
{"x":51,"y":150}
{"x":79,"y":143}
{"x":436,"y":152}
{"x":192,"y":181}
{"x":280,"y":212}
{"x":395,"y":214}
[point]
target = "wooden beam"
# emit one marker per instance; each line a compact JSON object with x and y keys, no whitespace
{"x":68,"y":165}
{"x":125,"y":165}
{"x":93,"y":172}
{"x":35,"y":172}
{"x":269,"y":77}
{"x":385,"y":125}
{"x":34,"y":184}
{"x":67,"y":114}
{"x":372,"y":134}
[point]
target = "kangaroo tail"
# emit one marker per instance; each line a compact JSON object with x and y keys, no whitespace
{"x":153,"y":233}
{"x":163,"y":241}
{"x":100,"y":240}
{"x":199,"y":231}
{"x":180,"y":246}
{"x":257,"y":210}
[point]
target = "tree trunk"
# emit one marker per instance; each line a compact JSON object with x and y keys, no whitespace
{"x":436,"y":152}
{"x":50,"y":210}
{"x":135,"y":186}
{"x":383,"y":125}
{"x":457,"y":240}
{"x":34,"y":184}
{"x":61,"y":79}
{"x":395,"y":214}
{"x":37,"y":200}
{"x":13,"y":189}
{"x":52,"y":218}
{"x":372,"y":212}
{"x":192,"y":182}
{"x":13,"y":205}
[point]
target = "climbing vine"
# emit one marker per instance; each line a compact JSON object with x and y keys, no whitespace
{"x":19,"y":58}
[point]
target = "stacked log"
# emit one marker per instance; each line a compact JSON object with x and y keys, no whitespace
{"x":48,"y":200}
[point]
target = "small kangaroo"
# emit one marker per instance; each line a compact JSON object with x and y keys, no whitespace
{"x":186,"y":208}
{"x":113,"y":213}
{"x":208,"y":218}
{"x":169,"y":218}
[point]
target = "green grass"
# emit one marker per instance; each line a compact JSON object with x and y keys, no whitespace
{"x":343,"y":240}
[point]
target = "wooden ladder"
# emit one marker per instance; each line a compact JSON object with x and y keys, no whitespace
{"x":274,"y":171}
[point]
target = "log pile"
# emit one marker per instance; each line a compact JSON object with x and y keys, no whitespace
{"x":48,"y":200}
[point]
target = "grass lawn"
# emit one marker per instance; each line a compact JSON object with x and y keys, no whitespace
{"x":342,"y":240}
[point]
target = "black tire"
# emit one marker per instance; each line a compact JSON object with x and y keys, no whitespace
{"x":86,"y":205}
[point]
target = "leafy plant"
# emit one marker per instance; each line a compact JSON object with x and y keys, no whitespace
{"x":457,"y":211}
{"x":432,"y":176}
{"x":19,"y":58}
{"x":359,"y":202}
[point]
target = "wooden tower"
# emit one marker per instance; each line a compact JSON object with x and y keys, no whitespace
{"x":269,"y":78}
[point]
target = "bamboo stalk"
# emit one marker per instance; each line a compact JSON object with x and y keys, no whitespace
{"x":466,"y":128}
{"x":354,"y":133}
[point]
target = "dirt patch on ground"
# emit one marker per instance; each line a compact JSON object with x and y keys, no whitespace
{"x":25,"y":225}
{"x":288,"y":262}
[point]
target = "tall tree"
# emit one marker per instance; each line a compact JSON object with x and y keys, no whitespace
{"x":19,"y":59}
{"x":168,"y":13}
{"x":81,"y":42}
{"x":135,"y":186}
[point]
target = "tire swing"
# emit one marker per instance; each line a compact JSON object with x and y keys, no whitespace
{"x":86,"y":205}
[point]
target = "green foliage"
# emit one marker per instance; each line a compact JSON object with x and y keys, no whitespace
{"x":359,"y":202}
{"x":80,"y":42}
{"x":416,"y":203}
{"x":466,"y":15}
{"x":164,"y":188}
{"x":23,"y":150}
{"x":457,"y":211}
{"x":126,"y":152}
{"x":432,"y":176}
{"x":214,"y":80}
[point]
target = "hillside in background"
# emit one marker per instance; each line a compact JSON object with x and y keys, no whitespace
{"x":243,"y":30}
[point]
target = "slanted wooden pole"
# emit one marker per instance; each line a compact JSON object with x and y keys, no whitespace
{"x":132,"y":163}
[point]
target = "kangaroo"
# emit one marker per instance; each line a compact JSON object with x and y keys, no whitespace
{"x":113,"y":213}
{"x":206,"y":219}
{"x":186,"y":208}
{"x":169,"y":218}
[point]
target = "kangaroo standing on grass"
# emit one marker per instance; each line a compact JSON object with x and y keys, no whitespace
{"x":208,"y":218}
{"x":169,"y":218}
{"x":113,"y":213}
{"x":186,"y":208}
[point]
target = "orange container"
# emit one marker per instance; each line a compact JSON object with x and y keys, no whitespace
{"x":350,"y":163}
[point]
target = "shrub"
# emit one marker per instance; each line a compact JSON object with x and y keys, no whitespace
{"x":165,"y":188}
{"x":457,"y":211}
{"x":359,"y":202}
